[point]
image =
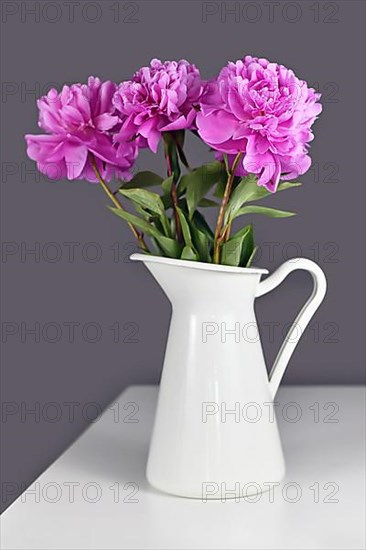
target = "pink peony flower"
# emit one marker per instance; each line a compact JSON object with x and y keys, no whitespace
{"x":159,"y":98}
{"x":264,"y":111}
{"x":78,"y":121}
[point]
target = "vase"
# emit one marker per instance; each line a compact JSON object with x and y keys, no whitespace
{"x":215,"y":433}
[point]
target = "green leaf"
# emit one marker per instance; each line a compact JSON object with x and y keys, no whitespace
{"x":169,"y":246}
{"x":170,"y":148}
{"x":143,"y":213}
{"x":247,"y":251}
{"x":143,"y":179}
{"x":136,"y":221}
{"x":182,"y":184}
{"x":167,"y":185}
{"x":248,"y":191}
{"x":201,"y":224}
{"x":172,"y":225}
{"x":152,"y":219}
{"x":231,"y":252}
{"x":262,"y":192}
{"x":162,"y":228}
{"x":167,"y":201}
{"x":255,"y":192}
{"x":195,"y":238}
{"x":185,"y":228}
{"x":148,"y":201}
{"x":144,"y":198}
{"x":271,"y":212}
{"x":220,"y":188}
{"x":201,"y":242}
{"x":189,"y":254}
{"x":248,"y":248}
{"x":242,"y":191}
{"x":198,"y":182}
{"x":179,"y":136}
{"x":206,"y":203}
{"x":226,"y":163}
{"x":238,"y":250}
{"x":156,"y":249}
{"x":250,"y":259}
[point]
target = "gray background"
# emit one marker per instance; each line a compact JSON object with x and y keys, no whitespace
{"x":323,"y":43}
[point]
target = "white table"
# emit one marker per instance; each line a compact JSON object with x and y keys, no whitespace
{"x":96,"y":495}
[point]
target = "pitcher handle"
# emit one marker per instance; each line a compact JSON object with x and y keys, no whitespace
{"x":303,"y":318}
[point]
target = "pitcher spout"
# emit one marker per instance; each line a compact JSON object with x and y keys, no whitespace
{"x":202,"y":281}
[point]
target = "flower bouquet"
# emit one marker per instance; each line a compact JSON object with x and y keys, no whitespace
{"x":256,"y":117}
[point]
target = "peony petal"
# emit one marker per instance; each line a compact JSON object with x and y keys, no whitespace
{"x":242,"y":131}
{"x":102,"y":148}
{"x":236,"y":105}
{"x":147,"y":127}
{"x":49,"y":120}
{"x":105,"y":122}
{"x":271,"y":171}
{"x":53,"y":171}
{"x":153,"y":140}
{"x":292,"y":167}
{"x":262,"y":144}
{"x":178,"y":124}
{"x":75,"y":157}
{"x":106,"y":92}
{"x":43,"y":147}
{"x":217,"y":127}
{"x":72,"y":116}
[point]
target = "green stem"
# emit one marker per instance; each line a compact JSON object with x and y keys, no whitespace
{"x":173,"y":193}
{"x":139,"y":236}
{"x":220,"y":231}
{"x":181,"y":153}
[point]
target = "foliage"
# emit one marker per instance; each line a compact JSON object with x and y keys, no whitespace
{"x":171,"y":214}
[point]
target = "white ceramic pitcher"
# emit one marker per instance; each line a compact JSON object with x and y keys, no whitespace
{"x":215,"y":434}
